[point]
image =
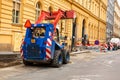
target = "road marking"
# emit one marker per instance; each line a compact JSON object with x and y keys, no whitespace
{"x":110,"y":62}
{"x":74,"y":79}
{"x":84,"y":77}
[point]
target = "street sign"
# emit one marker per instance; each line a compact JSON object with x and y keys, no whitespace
{"x":96,"y":42}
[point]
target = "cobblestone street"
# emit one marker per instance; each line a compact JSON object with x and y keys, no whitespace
{"x":85,"y":66}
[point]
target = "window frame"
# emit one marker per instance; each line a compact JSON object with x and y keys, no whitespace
{"x":15,"y":16}
{"x":37,"y":10}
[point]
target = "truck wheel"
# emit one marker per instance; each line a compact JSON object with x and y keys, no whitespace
{"x":27,"y":63}
{"x":58,"y":59}
{"x":66,"y":56}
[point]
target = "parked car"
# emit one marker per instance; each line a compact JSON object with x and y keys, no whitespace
{"x":116,"y":43}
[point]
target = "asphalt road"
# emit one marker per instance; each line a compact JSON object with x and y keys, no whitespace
{"x":86,"y":66}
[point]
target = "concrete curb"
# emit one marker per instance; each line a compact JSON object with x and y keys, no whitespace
{"x":9,"y":59}
{"x":79,"y":52}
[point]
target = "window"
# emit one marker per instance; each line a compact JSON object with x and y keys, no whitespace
{"x":37,"y":10}
{"x":93,"y":7}
{"x":83,"y":2}
{"x":39,"y":32}
{"x":89,"y":6}
{"x":16,"y":11}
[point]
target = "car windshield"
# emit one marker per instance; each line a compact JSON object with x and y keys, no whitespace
{"x":38,"y":32}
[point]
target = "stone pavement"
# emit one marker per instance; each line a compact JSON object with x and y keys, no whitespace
{"x":79,"y":52}
{"x":11,"y":58}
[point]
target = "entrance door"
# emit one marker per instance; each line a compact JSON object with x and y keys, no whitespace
{"x":83,"y":32}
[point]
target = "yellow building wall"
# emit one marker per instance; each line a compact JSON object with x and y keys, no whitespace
{"x":94,"y":14}
{"x":95,"y":19}
{"x":5,"y":26}
{"x":5,"y":42}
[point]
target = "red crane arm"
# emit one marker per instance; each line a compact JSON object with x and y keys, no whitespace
{"x":42,"y":16}
{"x":56,"y":16}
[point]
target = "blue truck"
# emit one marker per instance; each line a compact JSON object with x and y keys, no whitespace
{"x":41,"y":42}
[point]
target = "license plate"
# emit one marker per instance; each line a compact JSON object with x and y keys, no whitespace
{"x":32,"y":40}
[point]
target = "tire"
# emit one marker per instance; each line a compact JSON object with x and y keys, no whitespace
{"x":27,"y":63}
{"x":58,"y":59}
{"x":66,"y":56}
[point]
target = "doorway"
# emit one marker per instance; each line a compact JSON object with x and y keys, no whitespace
{"x":83,"y":32}
{"x":73,"y":33}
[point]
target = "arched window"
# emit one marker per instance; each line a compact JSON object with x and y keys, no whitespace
{"x":16,"y":11}
{"x":37,"y":10}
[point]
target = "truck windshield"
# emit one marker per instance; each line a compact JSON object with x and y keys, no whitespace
{"x":39,"y":32}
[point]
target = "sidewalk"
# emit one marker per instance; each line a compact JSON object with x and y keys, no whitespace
{"x":9,"y":59}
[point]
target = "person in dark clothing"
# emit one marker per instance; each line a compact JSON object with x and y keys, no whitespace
{"x":108,"y":44}
{"x":83,"y":42}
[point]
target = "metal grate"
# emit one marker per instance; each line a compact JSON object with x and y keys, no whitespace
{"x":33,"y":50}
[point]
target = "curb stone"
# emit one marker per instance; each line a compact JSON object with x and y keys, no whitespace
{"x":79,"y":52}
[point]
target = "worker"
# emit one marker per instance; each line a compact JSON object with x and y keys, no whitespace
{"x":39,"y":32}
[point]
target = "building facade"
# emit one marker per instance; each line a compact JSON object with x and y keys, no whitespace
{"x":90,"y":20}
{"x":110,"y":19}
{"x":116,"y":28}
